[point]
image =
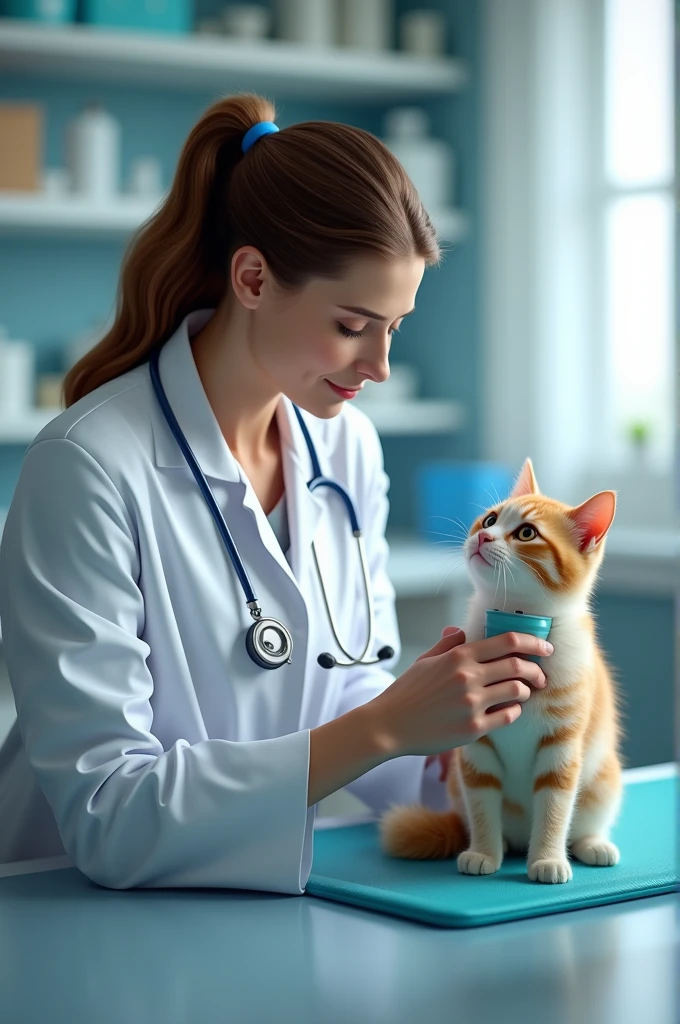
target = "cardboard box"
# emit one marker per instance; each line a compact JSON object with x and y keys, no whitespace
{"x":21,"y":146}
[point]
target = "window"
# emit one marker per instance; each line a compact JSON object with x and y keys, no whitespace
{"x":578,"y":276}
{"x":638,"y":223}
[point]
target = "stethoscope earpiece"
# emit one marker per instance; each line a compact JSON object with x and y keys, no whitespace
{"x":327,"y":660}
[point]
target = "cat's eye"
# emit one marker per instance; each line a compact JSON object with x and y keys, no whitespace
{"x":489,"y":521}
{"x":526,"y":532}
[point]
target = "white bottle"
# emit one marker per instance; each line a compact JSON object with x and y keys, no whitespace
{"x":423,"y":33}
{"x":310,"y":22}
{"x":428,"y":162}
{"x":17,"y":376}
{"x":93,"y":148}
{"x":366,"y":24}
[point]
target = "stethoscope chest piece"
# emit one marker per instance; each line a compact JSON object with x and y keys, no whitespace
{"x":269,"y":643}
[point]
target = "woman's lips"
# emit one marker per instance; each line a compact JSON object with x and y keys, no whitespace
{"x":343,"y":392}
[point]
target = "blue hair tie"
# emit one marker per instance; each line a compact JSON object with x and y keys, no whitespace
{"x":256,"y":132}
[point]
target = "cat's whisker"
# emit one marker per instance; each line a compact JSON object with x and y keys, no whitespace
{"x":454,"y":522}
{"x":514,"y":581}
{"x":529,"y":566}
{"x":498,"y":582}
{"x":452,"y":569}
{"x":494,"y":501}
{"x":434,"y":532}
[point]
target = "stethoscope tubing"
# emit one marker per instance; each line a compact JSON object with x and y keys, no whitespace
{"x":236,"y":559}
{"x":317,"y":481}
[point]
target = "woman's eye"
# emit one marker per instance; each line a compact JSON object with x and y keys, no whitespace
{"x":489,"y":521}
{"x":359,"y":334}
{"x":349,"y":334}
{"x":526,"y":533}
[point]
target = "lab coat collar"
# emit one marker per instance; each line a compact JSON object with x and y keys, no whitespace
{"x":190,"y":405}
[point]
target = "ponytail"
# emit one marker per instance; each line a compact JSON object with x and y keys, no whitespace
{"x":309,"y":197}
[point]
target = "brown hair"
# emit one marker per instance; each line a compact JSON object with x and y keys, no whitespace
{"x":310,"y":197}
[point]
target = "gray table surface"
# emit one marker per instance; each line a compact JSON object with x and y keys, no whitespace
{"x":73,"y":952}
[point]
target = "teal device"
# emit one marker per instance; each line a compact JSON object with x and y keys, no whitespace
{"x":498,"y":622}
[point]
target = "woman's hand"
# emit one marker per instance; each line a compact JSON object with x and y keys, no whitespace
{"x":457,"y":692}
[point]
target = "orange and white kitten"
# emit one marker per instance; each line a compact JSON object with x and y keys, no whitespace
{"x":550,"y":782}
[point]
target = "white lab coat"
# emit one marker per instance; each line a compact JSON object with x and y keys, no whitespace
{"x":148,"y":747}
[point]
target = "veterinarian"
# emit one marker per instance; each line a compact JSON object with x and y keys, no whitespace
{"x":197,"y":618}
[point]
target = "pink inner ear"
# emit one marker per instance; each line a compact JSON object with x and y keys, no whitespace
{"x":593,"y":518}
{"x":526,"y":481}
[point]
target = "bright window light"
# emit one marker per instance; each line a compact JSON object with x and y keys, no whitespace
{"x":639,"y":314}
{"x":638,"y":228}
{"x":639,"y":91}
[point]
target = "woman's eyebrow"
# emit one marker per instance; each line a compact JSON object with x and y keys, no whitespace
{"x":367,"y":312}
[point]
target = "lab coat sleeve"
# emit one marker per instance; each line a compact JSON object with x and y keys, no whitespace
{"x":215,"y":813}
{"x":401,"y":779}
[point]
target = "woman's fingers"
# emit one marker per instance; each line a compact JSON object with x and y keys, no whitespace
{"x":495,"y":647}
{"x":510,"y":691}
{"x":513,"y":668}
{"x":452,"y":637}
{"x":497,"y":719}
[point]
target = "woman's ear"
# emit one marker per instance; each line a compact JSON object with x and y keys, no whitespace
{"x":248,"y":271}
{"x":593,"y":519}
{"x":526,"y":481}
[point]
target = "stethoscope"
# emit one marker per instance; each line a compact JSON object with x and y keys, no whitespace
{"x":268,"y":642}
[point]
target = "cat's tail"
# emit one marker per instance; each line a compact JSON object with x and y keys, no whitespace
{"x":419,"y":833}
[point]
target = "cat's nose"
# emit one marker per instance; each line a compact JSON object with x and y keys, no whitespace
{"x":483,"y":536}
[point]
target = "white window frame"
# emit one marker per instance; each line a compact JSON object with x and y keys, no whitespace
{"x":543,"y":245}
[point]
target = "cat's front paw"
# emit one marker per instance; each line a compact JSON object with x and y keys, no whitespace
{"x":471,"y":863}
{"x":598,"y":852}
{"x":552,"y":870}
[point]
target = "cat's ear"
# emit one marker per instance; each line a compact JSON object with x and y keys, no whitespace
{"x":526,"y":481}
{"x":593,"y":519}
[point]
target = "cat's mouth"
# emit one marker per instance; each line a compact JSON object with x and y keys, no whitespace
{"x":478,"y":554}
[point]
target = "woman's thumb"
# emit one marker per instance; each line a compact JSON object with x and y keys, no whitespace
{"x":452,"y":637}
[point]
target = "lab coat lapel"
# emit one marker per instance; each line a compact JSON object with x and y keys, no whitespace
{"x":304,"y":508}
{"x":189,"y":402}
{"x":190,"y":405}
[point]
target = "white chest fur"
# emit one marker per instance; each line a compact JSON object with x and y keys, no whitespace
{"x":517,"y":744}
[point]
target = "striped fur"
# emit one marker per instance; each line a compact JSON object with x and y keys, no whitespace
{"x":550,"y":783}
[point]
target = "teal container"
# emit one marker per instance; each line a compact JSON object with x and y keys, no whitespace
{"x":498,"y":622}
{"x":144,"y":15}
{"x":54,"y":12}
{"x":451,"y":490}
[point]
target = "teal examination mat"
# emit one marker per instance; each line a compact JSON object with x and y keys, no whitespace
{"x":350,"y":866}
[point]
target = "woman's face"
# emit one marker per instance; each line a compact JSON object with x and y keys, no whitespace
{"x":319,"y":345}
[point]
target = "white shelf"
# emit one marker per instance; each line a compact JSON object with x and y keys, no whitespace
{"x":637,"y":561}
{"x":428,"y":416}
{"x":421,"y":416}
{"x":420,"y":569}
{"x":22,"y":429}
{"x":25,"y":213}
{"x":222,"y":64}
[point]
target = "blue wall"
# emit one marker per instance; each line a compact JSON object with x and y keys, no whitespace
{"x":52,"y":290}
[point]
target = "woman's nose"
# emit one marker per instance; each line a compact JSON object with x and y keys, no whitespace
{"x":377,"y":366}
